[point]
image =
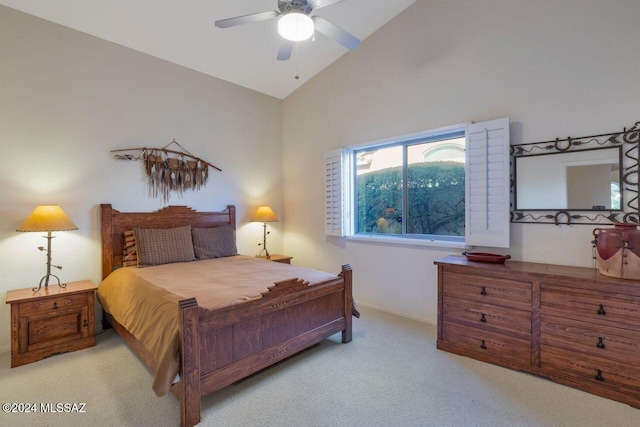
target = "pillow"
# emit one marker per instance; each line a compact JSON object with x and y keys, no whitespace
{"x":129,"y":253}
{"x":163,"y":245}
{"x":215,"y":242}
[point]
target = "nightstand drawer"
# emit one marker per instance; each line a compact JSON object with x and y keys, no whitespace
{"x":51,"y":304}
{"x":44,"y":330}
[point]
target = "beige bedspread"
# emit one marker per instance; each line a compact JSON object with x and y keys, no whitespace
{"x":145,"y":300}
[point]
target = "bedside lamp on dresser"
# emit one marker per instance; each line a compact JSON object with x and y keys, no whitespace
{"x":264,"y":214}
{"x":48,"y":218}
{"x":47,"y":321}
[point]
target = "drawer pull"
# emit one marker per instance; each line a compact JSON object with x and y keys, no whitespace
{"x":600,"y":343}
{"x":55,"y":305}
{"x":483,"y":319}
{"x":483,"y":345}
{"x":85,"y":324}
{"x":601,"y":311}
{"x":483,"y":291}
{"x":599,"y":376}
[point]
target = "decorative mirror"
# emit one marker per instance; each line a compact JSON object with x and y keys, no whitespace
{"x":587,"y":180}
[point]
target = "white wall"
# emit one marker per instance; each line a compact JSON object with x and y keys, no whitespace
{"x":67,"y":99}
{"x":557,"y":69}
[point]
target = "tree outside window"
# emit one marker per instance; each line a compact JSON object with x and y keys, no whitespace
{"x":431,"y":202}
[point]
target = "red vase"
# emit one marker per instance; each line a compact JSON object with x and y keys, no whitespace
{"x":618,"y":250}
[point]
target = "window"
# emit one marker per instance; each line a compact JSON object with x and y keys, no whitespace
{"x":413,"y":188}
{"x":448,"y":185}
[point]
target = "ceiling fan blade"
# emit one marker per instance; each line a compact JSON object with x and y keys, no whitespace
{"x":284,"y":52}
{"x":336,"y":33}
{"x":247,"y":19}
{"x":317,"y":4}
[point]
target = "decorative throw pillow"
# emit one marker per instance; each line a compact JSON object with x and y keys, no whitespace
{"x":130,"y":252}
{"x":214,"y":242}
{"x":164,"y":245}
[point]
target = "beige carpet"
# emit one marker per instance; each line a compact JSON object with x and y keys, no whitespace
{"x":390,"y":375}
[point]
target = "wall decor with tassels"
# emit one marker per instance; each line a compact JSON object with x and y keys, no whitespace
{"x":169,"y":170}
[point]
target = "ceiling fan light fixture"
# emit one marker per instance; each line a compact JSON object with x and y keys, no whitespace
{"x":295,"y":26}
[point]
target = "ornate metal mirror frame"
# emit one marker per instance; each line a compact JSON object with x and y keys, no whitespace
{"x":628,"y":140}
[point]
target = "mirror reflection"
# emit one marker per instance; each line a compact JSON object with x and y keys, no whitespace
{"x":578,"y":180}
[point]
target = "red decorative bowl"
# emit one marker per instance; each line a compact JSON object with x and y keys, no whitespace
{"x":486,"y":257}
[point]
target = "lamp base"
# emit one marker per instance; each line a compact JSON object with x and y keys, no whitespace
{"x":45,"y":279}
{"x":263,"y":254}
{"x":264,"y":243}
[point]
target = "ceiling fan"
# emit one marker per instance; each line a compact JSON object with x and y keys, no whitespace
{"x":295,"y":24}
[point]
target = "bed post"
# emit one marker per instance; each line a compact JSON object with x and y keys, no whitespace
{"x":189,"y":363}
{"x":106,"y":231}
{"x":346,"y":275}
{"x":232,"y":215}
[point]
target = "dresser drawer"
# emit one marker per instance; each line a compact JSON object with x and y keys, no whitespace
{"x":590,"y":306}
{"x":45,"y":305}
{"x":487,"y":290}
{"x":589,"y":369}
{"x":488,"y":317}
{"x":599,"y":341}
{"x":493,"y":344}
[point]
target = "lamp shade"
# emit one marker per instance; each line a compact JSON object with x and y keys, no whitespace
{"x":295,"y":26}
{"x":265,"y":214}
{"x":47,"y":218}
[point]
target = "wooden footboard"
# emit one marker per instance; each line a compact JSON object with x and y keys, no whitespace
{"x":224,"y":346}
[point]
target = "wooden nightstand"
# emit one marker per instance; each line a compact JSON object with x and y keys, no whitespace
{"x":279,"y":258}
{"x":51,"y":321}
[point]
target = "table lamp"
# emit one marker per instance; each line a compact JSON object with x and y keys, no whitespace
{"x":264,"y":214}
{"x":48,"y":218}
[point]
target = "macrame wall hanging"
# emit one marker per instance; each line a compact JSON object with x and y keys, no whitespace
{"x":170,"y":170}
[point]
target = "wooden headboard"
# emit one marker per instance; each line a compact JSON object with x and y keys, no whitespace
{"x":115,"y":223}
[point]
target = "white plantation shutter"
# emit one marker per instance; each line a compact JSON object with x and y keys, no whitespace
{"x":487,"y":184}
{"x":334,"y":223}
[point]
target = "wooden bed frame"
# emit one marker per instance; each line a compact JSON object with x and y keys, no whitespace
{"x":220,"y":347}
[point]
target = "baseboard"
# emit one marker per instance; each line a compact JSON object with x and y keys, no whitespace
{"x":385,"y":310}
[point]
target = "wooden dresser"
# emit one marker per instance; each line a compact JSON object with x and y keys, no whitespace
{"x":569,"y":324}
{"x":51,"y":321}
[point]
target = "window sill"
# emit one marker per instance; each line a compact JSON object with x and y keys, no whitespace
{"x":409,"y":242}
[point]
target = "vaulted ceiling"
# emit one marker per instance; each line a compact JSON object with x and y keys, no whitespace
{"x":183,"y":32}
